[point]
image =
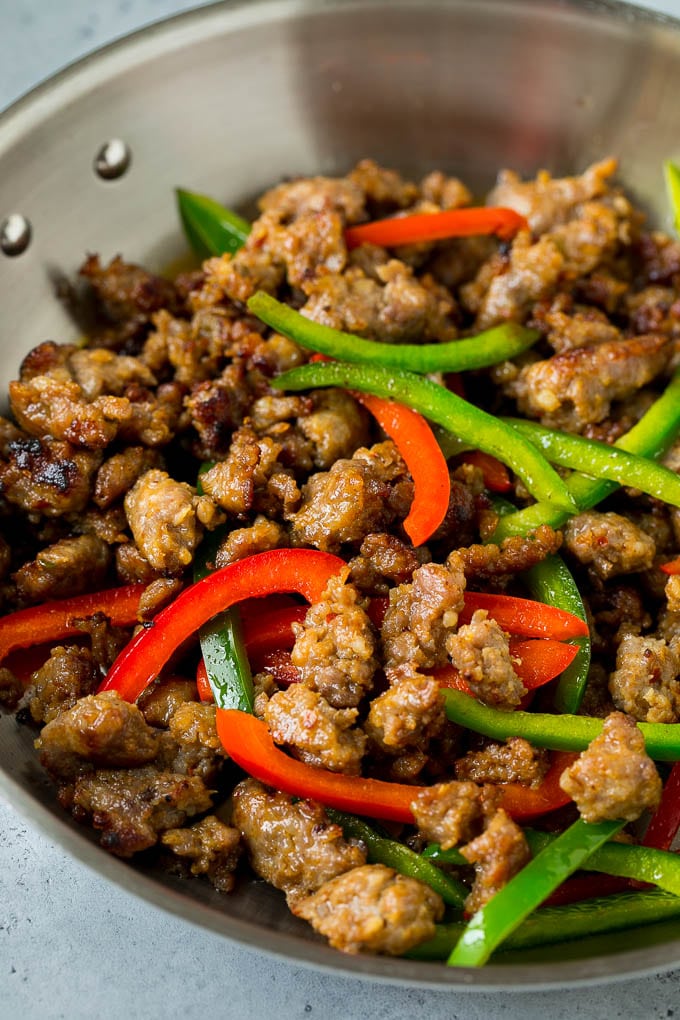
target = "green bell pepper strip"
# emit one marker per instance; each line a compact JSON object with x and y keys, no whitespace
{"x":600,"y":460}
{"x":558,"y":732}
{"x":672,"y":177}
{"x":221,"y":639}
{"x":650,"y":437}
{"x":552,"y":582}
{"x":488,"y":348}
{"x":445,"y":408}
{"x":210,"y":228}
{"x":382,"y":850}
{"x":506,"y":910}
{"x":641,"y":863}
{"x":550,"y":925}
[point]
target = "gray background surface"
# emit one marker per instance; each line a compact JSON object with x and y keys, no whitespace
{"x":71,"y":944}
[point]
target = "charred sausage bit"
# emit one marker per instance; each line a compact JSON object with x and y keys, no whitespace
{"x":132,"y":807}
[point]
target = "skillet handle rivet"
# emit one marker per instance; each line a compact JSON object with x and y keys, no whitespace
{"x":113,"y":159}
{"x":15,"y":234}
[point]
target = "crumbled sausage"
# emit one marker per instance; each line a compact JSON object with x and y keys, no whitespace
{"x":291,"y":845}
{"x":421,"y":614}
{"x":646,"y":681}
{"x":450,"y":813}
{"x":316,"y":733}
{"x":497,"y":854}
{"x":516,"y":761}
{"x":373,"y":909}
{"x":165,"y":518}
{"x":614,"y":778}
{"x":101,"y":730}
{"x":68,"y":674}
{"x":480,"y":651}
{"x":348,"y":502}
{"x":69,"y":567}
{"x":335,"y":647}
{"x":212,"y":847}
{"x":408,"y":714}
{"x":609,"y":542}
{"x":573,"y":389}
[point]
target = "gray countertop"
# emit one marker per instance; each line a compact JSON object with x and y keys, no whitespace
{"x":71,"y":944}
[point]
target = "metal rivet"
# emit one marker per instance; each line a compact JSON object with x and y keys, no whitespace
{"x":112,"y":160}
{"x":15,"y":234}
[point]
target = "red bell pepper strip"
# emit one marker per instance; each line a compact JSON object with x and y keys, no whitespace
{"x":524,"y":617}
{"x":665,"y":822}
{"x":520,"y":617}
{"x":438,"y":226}
{"x":537,"y":662}
{"x":54,"y":621}
{"x":672,"y":567}
{"x":301,"y":570}
{"x":248,"y":742}
{"x":424,"y":459}
{"x":586,"y":887}
{"x":496,"y":475}
{"x":202,"y":683}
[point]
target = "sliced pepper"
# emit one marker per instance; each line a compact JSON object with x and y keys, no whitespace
{"x":524,"y":617}
{"x":437,"y":226}
{"x":671,"y":568}
{"x":497,"y":344}
{"x":305,"y":571}
{"x":665,"y":823}
{"x":551,"y":581}
{"x":382,"y":850}
{"x":210,"y":228}
{"x":225,"y":661}
{"x":601,"y":460}
{"x":506,"y":910}
{"x":625,"y":860}
{"x":650,"y":437}
{"x":249,"y":743}
{"x":56,"y":620}
{"x":425,"y":461}
{"x":560,"y":732}
{"x":440,"y":405}
{"x":536,"y":662}
{"x":551,"y":925}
